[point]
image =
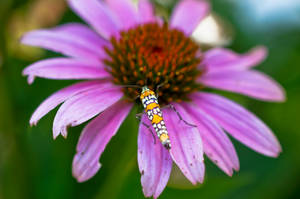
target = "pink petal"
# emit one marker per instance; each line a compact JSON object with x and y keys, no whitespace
{"x":146,"y":12}
{"x":73,"y":40}
{"x":65,"y":68}
{"x":219,"y":59}
{"x":98,"y":15}
{"x":62,"y":95}
{"x":252,"y":83}
{"x":186,"y":145}
{"x":188,"y":14}
{"x":125,"y":11}
{"x":240,"y":123}
{"x":155,"y":162}
{"x":94,"y":139}
{"x":84,"y":106}
{"x":216,"y":144}
{"x":91,"y":38}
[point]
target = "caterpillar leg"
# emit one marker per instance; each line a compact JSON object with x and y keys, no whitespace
{"x":139,"y":116}
{"x":159,"y":86}
{"x":179,"y":116}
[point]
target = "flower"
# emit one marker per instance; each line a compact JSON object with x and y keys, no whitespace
{"x":131,"y":46}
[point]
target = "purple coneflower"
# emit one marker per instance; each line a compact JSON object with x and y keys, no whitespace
{"x":129,"y":45}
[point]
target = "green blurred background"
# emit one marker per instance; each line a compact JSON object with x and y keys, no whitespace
{"x":33,"y":165}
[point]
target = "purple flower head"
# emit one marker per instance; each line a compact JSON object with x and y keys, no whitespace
{"x":127,"y":45}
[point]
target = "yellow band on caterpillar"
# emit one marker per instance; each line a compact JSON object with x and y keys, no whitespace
{"x":147,"y":93}
{"x":151,"y":106}
{"x":163,"y":137}
{"x":156,"y":119}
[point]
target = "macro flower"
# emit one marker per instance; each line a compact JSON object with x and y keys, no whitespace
{"x":127,"y":47}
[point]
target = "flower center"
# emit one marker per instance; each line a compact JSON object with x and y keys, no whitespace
{"x":155,"y":56}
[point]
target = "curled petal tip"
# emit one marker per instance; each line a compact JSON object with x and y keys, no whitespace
{"x":230,"y":173}
{"x":261,"y":50}
{"x":30,"y":79}
{"x":279,"y":92}
{"x":64,"y":132}
{"x":23,"y":38}
{"x":281,"y":95}
{"x":32,"y":123}
{"x":276,"y":151}
{"x":24,"y":72}
{"x":55,"y":134}
{"x":83,"y":172}
{"x":237,"y":167}
{"x":275,"y":155}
